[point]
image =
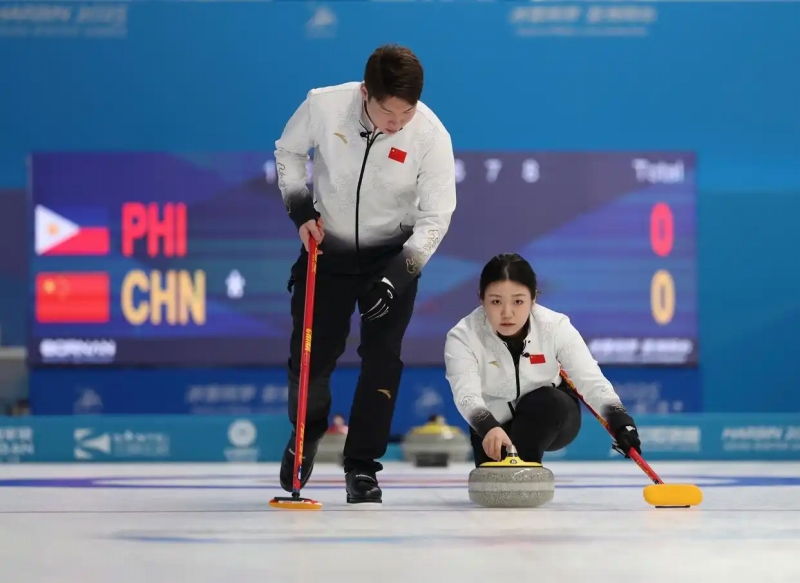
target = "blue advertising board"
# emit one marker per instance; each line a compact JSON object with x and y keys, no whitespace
{"x":562,"y":75}
{"x":261,"y":438}
{"x":424,"y":392}
{"x":112,"y":438}
{"x":697,"y":436}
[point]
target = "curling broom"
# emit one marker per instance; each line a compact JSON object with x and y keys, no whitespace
{"x":295,"y":502}
{"x":658,"y":494}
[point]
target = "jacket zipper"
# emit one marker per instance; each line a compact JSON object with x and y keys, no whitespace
{"x":516,"y":373}
{"x":370,"y":141}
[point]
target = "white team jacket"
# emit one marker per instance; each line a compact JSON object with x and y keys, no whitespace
{"x":391,"y":205}
{"x":482,"y":376}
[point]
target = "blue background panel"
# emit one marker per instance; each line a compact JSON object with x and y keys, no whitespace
{"x":706,"y":77}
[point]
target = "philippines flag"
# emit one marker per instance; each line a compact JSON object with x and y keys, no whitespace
{"x":58,"y":235}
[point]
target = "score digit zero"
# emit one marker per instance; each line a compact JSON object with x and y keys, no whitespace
{"x":662,"y":286}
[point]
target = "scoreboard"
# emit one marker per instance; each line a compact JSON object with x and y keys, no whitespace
{"x":165,"y":259}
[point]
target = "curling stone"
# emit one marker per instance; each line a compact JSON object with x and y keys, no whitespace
{"x":511,"y":483}
{"x":331,"y":448}
{"x":434,"y":445}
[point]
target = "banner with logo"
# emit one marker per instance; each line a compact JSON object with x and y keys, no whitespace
{"x":158,"y":391}
{"x":184,"y":259}
{"x":697,"y":436}
{"x":140,"y":438}
{"x":261,"y":438}
{"x":424,"y":392}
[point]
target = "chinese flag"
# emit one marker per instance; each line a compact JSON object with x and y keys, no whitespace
{"x":73,"y":298}
{"x":397,"y":155}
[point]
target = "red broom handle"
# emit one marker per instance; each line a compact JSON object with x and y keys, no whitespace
{"x":305,"y":362}
{"x":634,"y":455}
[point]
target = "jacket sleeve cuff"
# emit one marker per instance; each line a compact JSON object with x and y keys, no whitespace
{"x":301,"y":209}
{"x":616,"y":416}
{"x":483,"y":422}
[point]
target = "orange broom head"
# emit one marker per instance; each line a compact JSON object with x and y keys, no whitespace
{"x":295,"y":503}
{"x":673,"y":495}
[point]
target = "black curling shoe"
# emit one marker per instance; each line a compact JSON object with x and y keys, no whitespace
{"x":287,"y":463}
{"x":362,"y":486}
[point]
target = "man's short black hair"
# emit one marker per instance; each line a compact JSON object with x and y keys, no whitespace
{"x":394,"y":71}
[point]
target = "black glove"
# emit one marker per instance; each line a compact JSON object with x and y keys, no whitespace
{"x":378,"y":300}
{"x":624,"y":429}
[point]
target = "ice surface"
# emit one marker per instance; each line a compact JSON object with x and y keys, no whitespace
{"x":140,"y":523}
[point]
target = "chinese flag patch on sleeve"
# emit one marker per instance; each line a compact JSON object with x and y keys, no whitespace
{"x":397,"y":155}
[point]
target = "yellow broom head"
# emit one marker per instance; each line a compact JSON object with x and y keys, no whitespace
{"x":295,"y":503}
{"x":673,"y":495}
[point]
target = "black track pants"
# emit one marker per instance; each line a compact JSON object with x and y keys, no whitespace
{"x":547,"y":419}
{"x":335,"y":300}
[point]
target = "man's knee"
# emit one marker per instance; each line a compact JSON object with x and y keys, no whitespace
{"x":381,"y":357}
{"x":318,"y":403}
